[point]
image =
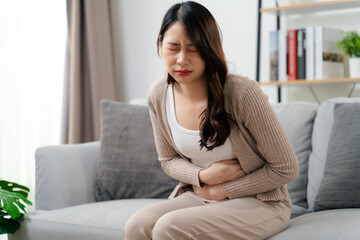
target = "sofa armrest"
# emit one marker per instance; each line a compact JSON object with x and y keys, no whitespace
{"x":65,"y":175}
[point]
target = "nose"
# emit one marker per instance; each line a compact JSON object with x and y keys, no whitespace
{"x":182,"y":58}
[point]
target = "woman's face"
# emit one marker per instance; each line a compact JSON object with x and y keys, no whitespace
{"x":182,"y":59}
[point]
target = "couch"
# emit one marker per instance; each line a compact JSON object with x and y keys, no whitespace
{"x":66,"y":207}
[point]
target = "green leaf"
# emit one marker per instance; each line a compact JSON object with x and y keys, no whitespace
{"x":350,"y":43}
{"x":11,"y":197}
{"x":14,"y":187}
{"x":10,"y":202}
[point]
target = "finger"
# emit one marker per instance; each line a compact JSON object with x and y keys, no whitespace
{"x":231,"y":161}
{"x":241,"y":173}
{"x":236,"y":166}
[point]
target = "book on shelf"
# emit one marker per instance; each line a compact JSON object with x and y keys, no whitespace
{"x":306,"y":53}
{"x":292,"y":54}
{"x":283,"y":55}
{"x":301,"y":53}
{"x":274,"y":53}
{"x":310,"y":53}
{"x":329,"y":61}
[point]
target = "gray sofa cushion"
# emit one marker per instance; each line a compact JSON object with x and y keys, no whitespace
{"x":339,"y":224}
{"x":128,"y":166}
{"x":340,"y":186}
{"x":320,"y":140}
{"x":65,"y":175}
{"x":94,"y":221}
{"x":297,"y":211}
{"x":297,"y":120}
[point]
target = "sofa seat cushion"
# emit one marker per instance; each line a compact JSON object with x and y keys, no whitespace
{"x":329,"y":224}
{"x":102,"y":220}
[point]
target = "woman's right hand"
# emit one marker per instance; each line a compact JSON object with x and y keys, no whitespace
{"x":221,"y":171}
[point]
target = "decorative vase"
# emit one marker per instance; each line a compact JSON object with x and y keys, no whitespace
{"x":354,"y":67}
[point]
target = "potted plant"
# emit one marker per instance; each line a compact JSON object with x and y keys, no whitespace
{"x":13,"y":198}
{"x":350,"y":44}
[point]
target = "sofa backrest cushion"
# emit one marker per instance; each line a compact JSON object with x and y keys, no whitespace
{"x":129,"y":166}
{"x":340,"y":185}
{"x":297,"y":120}
{"x":320,"y":139}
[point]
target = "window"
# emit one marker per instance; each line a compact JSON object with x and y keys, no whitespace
{"x":32,"y":57}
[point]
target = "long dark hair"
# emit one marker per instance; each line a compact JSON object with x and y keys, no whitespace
{"x":202,"y":29}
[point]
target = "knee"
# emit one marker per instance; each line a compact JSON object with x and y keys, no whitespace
{"x":171,"y":226}
{"x":139,"y":226}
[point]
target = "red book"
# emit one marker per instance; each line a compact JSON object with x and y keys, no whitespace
{"x":292,"y":51}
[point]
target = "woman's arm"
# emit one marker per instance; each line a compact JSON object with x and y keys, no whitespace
{"x":174,"y":165}
{"x":281,"y":166}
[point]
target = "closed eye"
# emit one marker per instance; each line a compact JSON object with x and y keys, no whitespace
{"x":173,"y":49}
{"x":192,"y":48}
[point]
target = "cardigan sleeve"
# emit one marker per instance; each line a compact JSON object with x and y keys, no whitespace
{"x":174,"y":165}
{"x":281,"y":166}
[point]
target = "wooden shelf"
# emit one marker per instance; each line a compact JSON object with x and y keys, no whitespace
{"x":311,"y":82}
{"x":312,"y":7}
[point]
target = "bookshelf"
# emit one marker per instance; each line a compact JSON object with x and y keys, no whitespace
{"x":312,"y":7}
{"x":312,"y":82}
{"x":334,"y":5}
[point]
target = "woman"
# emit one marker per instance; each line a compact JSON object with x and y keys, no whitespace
{"x":217,"y":134}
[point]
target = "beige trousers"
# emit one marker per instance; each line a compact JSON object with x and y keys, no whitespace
{"x":188,"y":216}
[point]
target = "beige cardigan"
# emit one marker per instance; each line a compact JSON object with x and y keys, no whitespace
{"x":261,"y":145}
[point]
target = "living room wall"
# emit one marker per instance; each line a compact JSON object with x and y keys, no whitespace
{"x":137,"y":23}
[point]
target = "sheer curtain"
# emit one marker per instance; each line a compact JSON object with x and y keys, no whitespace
{"x":32,"y":55}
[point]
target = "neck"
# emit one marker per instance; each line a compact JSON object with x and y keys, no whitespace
{"x":194,"y":92}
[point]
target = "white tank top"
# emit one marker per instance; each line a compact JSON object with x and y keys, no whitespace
{"x":187,"y":141}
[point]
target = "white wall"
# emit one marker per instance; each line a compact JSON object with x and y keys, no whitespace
{"x":138,"y":23}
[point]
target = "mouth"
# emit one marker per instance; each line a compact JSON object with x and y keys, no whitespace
{"x":183,"y":72}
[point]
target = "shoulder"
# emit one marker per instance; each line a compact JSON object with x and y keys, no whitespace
{"x":238,"y":85}
{"x":243,"y":94}
{"x":157,"y":90}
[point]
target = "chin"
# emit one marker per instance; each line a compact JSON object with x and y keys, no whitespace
{"x":183,"y":80}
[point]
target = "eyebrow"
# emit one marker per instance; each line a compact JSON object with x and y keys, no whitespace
{"x":178,"y":44}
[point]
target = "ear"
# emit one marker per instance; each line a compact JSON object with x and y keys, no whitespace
{"x":161,"y":49}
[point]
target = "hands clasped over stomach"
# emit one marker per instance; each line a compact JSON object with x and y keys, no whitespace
{"x":215,"y":175}
{"x":221,"y":171}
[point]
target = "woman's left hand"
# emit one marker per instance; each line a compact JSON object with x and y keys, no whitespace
{"x":211,"y":192}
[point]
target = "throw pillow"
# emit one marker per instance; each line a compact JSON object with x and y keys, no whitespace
{"x":340,"y":185}
{"x":129,"y":166}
